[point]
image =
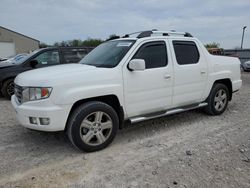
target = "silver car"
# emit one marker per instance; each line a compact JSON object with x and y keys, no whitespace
{"x":246,"y":66}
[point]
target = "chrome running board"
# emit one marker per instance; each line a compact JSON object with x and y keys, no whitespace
{"x":166,"y":113}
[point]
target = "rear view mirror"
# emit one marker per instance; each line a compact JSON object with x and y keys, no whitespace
{"x":33,"y":63}
{"x":137,"y":65}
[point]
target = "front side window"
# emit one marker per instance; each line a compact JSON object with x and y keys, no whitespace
{"x":48,"y":58}
{"x":186,"y":52}
{"x":153,"y":53}
{"x":108,"y":54}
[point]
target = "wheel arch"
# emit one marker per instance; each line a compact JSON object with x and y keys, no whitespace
{"x":228,"y":83}
{"x":7,"y":78}
{"x":2,"y":82}
{"x":111,"y":100}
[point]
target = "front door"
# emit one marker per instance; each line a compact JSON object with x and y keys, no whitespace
{"x":149,"y":90}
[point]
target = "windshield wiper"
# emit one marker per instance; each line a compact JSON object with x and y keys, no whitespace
{"x":105,"y":66}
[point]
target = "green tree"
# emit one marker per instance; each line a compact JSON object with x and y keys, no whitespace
{"x":63,"y":43}
{"x":78,"y":43}
{"x":75,"y":42}
{"x":212,"y":45}
{"x":56,"y":44}
{"x":113,"y":36}
{"x":91,"y":42}
{"x":43,"y":45}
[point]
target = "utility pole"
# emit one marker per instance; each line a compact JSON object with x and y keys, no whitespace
{"x":243,"y":32}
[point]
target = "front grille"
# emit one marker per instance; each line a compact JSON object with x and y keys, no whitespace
{"x":18,"y":93}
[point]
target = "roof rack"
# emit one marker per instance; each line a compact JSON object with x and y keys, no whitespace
{"x":155,"y":32}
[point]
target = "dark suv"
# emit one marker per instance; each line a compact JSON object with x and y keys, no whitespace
{"x":38,"y":59}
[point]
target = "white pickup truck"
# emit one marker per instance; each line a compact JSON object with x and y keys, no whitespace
{"x":130,"y":79}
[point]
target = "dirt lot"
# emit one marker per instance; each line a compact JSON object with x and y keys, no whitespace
{"x":190,"y":149}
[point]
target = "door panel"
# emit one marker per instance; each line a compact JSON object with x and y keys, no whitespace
{"x":190,"y":73}
{"x":149,"y":90}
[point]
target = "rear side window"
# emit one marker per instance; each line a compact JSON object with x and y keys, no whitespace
{"x":74,"y":55}
{"x":154,"y":54}
{"x":186,"y":52}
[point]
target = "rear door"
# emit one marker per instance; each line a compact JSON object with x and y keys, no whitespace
{"x":149,"y":90}
{"x":190,"y":70}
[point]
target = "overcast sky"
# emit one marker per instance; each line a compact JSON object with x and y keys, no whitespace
{"x":56,"y":20}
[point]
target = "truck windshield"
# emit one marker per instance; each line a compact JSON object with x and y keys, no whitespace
{"x":108,"y":54}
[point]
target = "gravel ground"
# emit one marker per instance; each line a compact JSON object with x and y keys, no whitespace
{"x":190,"y":149}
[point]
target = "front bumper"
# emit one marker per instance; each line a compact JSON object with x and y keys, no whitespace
{"x":57,"y":115}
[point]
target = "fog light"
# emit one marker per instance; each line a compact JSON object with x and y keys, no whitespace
{"x":33,"y":120}
{"x":44,"y":121}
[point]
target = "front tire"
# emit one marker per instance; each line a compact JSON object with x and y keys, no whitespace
{"x":92,"y":126}
{"x":217,"y":99}
{"x":8,"y":88}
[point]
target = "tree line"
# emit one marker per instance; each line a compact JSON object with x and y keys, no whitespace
{"x":90,"y":42}
{"x":75,"y":42}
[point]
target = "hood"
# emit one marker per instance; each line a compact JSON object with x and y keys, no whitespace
{"x":6,"y":64}
{"x":58,"y":75}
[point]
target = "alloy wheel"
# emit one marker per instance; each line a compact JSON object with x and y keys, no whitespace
{"x":220,"y":100}
{"x":96,"y":128}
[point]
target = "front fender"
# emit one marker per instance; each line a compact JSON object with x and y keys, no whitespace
{"x":72,"y":95}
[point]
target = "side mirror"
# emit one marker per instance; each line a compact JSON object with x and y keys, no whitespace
{"x":137,"y":65}
{"x":33,"y":63}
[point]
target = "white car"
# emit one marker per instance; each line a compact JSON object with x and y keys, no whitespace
{"x":129,"y":79}
{"x":15,"y":59}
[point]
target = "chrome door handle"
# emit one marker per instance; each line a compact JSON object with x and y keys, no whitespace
{"x":167,"y":76}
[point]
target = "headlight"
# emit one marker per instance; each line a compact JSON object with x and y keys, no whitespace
{"x":35,"y":93}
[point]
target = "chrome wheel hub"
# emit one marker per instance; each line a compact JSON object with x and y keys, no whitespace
{"x":220,"y":100}
{"x":96,"y":128}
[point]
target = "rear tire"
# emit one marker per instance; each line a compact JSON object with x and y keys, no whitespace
{"x":92,"y":126}
{"x":8,"y":88}
{"x":217,"y":99}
